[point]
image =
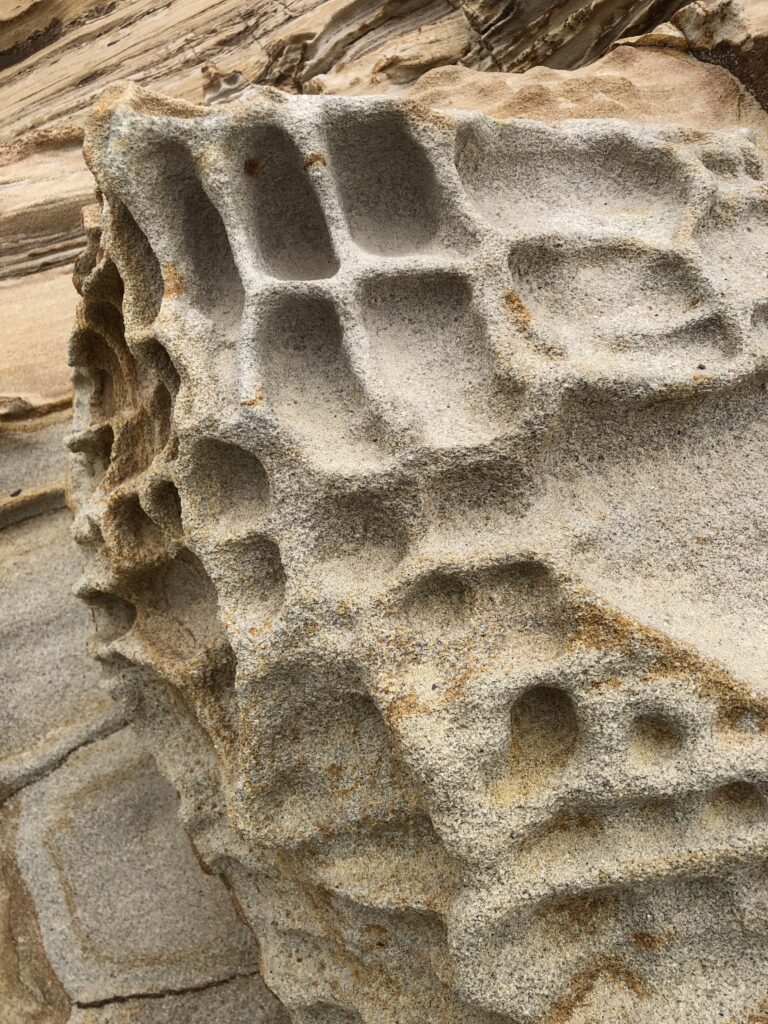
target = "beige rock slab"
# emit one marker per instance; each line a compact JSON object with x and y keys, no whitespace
{"x":123,"y":904}
{"x":32,"y":452}
{"x":35,"y":319}
{"x":637,"y":84}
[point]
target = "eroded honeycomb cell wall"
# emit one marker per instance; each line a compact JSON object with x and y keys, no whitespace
{"x":420,"y":475}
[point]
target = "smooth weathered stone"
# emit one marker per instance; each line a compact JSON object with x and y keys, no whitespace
{"x":631,"y":83}
{"x":32,"y":453}
{"x":123,"y":904}
{"x":30,"y":993}
{"x":428,"y":474}
{"x":36,"y":312}
{"x":53,"y":699}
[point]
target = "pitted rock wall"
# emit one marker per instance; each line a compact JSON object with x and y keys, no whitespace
{"x":420,"y":477}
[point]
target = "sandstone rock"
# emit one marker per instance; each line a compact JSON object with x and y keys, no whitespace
{"x":638,"y":84}
{"x":37,"y":313}
{"x":30,"y":993}
{"x":123,"y":905}
{"x":428,"y":474}
{"x":52,"y":697}
{"x":243,"y":1001}
{"x":731,"y":33}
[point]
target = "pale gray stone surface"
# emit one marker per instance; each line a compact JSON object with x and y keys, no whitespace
{"x":32,"y":454}
{"x":123,"y":904}
{"x":53,"y":698}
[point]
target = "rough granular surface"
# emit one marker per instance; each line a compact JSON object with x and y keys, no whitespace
{"x":420,"y":468}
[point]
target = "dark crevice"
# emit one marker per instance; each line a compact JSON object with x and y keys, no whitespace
{"x":29,"y":46}
{"x":162,"y":993}
{"x":107,"y":729}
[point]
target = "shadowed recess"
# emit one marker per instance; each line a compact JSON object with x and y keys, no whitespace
{"x":178,"y":610}
{"x":308,"y":379}
{"x":113,"y":616}
{"x":655,"y":737}
{"x":134,"y":534}
{"x":286,"y":219}
{"x":139,"y":265}
{"x":251,"y":580}
{"x":544,"y":732}
{"x":531,"y":178}
{"x":227,"y":485}
{"x":164,"y":506}
{"x":431,"y":354}
{"x":321,"y":754}
{"x":386,"y":183}
{"x":199,"y":266}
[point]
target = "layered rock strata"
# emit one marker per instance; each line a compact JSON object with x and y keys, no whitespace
{"x":420,"y":476}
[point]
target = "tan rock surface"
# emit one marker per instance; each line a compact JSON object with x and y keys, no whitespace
{"x":123,"y":905}
{"x":30,"y":992}
{"x":733,"y":33}
{"x":52,"y":697}
{"x":36,"y":314}
{"x":428,"y":474}
{"x":643,"y":85}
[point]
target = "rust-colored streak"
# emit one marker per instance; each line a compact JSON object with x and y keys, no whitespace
{"x":518,"y":308}
{"x":174,"y":285}
{"x":315,"y":158}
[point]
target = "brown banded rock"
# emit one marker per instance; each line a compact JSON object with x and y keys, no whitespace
{"x":419,"y":471}
{"x":55,"y":57}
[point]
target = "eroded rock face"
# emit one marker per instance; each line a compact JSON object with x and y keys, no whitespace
{"x":733,"y":33}
{"x":420,"y":475}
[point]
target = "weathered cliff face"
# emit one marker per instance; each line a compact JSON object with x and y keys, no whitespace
{"x":420,"y":479}
{"x":56,"y":57}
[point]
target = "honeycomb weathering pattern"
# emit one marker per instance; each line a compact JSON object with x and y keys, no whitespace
{"x":420,"y":475}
